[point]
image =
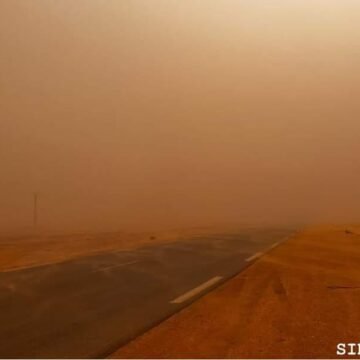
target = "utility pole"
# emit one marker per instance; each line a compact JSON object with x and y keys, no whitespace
{"x":35,"y":210}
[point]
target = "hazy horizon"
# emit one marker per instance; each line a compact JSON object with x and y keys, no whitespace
{"x":134,"y":114}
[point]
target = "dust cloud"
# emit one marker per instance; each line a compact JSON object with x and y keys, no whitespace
{"x":135,"y":114}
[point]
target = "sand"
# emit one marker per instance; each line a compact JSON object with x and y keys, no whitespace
{"x":298,"y":301}
{"x":41,"y":248}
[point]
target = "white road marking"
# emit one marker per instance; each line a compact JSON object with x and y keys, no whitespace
{"x":274,"y":245}
{"x":258,"y":254}
{"x":196,"y":290}
{"x":115,"y":266}
{"x":255,"y":256}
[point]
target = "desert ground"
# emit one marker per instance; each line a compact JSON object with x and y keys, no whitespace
{"x":298,"y":301}
{"x":29,"y":249}
{"x":86,"y":304}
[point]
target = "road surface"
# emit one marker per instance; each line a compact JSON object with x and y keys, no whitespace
{"x":88,"y":307}
{"x":297,"y":302}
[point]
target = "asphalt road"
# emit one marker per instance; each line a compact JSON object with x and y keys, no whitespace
{"x":88,"y":307}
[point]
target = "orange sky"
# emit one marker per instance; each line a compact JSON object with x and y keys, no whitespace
{"x":137,"y":114}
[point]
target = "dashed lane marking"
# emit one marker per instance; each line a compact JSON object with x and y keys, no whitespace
{"x":188,"y":295}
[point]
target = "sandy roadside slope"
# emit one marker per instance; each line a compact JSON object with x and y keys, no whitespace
{"x":298,"y":301}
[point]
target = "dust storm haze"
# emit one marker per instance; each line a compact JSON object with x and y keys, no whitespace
{"x":135,"y":114}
